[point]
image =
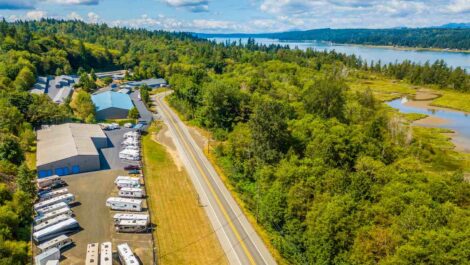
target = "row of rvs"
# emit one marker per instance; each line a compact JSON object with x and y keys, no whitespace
{"x":53,"y":220}
{"x":131,"y":146}
{"x":103,"y":255}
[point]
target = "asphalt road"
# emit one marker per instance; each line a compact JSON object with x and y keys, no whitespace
{"x":240,"y":242}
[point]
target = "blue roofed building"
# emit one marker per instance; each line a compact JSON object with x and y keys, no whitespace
{"x":112,"y":105}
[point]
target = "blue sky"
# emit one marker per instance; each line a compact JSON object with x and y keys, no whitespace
{"x":244,"y":15}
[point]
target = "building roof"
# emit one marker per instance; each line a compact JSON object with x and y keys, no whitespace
{"x":111,"y":99}
{"x":66,"y":140}
{"x":150,"y":82}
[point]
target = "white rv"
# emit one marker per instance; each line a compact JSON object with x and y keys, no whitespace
{"x":48,"y":216}
{"x":43,"y":258}
{"x":125,"y":255}
{"x":131,"y":216}
{"x":53,"y":207}
{"x":58,"y":242}
{"x":131,"y":135}
{"x":52,"y":194}
{"x":51,"y":222}
{"x":132,"y":155}
{"x":130,"y":141}
{"x":67,"y":198}
{"x":92,"y":255}
{"x":63,"y":227}
{"x":49,"y":181}
{"x":134,"y":179}
{"x":131,"y":192}
{"x":134,"y":226}
{"x":127,"y":184}
{"x":124,"y":204}
{"x":131,"y":148}
{"x":106,"y":254}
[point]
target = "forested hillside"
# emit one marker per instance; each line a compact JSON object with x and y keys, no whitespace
{"x":445,"y":38}
{"x":331,"y":174}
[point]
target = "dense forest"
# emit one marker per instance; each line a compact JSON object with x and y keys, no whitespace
{"x":445,"y":38}
{"x":331,"y":174}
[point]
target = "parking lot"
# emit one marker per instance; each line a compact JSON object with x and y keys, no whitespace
{"x":110,"y":156}
{"x":95,"y":219}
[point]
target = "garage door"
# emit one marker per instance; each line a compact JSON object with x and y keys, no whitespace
{"x":75,"y":169}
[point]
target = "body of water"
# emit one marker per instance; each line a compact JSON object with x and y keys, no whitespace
{"x":457,"y":121}
{"x":385,"y":55}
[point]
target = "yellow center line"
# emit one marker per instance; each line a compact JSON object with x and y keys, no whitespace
{"x":224,"y":211}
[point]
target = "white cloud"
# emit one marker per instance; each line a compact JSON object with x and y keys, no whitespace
{"x":93,"y":17}
{"x":35,"y":15}
{"x":74,"y":16}
{"x":190,"y":5}
{"x":74,"y":2}
{"x":459,"y":6}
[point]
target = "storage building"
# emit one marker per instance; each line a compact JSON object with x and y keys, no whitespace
{"x":112,"y":105}
{"x":152,"y":83}
{"x":69,"y":149}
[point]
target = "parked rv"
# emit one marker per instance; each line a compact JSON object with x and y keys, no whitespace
{"x":51,"y":222}
{"x":67,"y":198}
{"x":131,"y":226}
{"x":125,"y":255}
{"x":131,"y":192}
{"x":57,"y":242}
{"x":43,"y":258}
{"x":124,"y":204}
{"x":132,"y":155}
{"x":50,"y":215}
{"x":50,"y":182}
{"x":106,"y":254}
{"x":131,"y":216}
{"x":64,"y":227}
{"x":51,"y":208}
{"x":92,"y":255}
{"x":52,"y":194}
{"x":127,"y":184}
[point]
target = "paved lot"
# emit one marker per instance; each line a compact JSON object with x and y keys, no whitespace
{"x":95,"y":219}
{"x":109,"y":157}
{"x":145,"y":114}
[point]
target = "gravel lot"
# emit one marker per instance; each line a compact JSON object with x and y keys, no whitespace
{"x":91,"y":191}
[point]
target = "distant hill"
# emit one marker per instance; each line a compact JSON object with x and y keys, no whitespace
{"x":451,"y":36}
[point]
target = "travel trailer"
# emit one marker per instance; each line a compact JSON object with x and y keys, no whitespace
{"x":125,"y":255}
{"x":51,"y":222}
{"x":106,"y":254}
{"x":92,"y":254}
{"x":132,"y":155}
{"x":51,"y":208}
{"x":52,"y":181}
{"x":67,"y":198}
{"x":131,"y":192}
{"x":50,"y":215}
{"x":49,"y":255}
{"x":124,"y":204}
{"x":64,"y":227}
{"x":131,"y":226}
{"x":131,"y":216}
{"x":52,"y":194}
{"x":127,"y":184}
{"x":57,"y":242}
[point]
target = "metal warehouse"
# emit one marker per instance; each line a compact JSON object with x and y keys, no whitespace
{"x":69,"y":148}
{"x":112,"y":105}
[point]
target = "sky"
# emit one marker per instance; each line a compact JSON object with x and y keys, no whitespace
{"x":244,"y":16}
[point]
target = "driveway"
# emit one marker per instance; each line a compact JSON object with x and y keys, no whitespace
{"x":145,"y":114}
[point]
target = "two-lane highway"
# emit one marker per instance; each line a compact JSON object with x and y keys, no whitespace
{"x":240,"y":242}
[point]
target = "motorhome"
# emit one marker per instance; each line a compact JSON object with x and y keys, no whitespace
{"x":92,"y":255}
{"x":51,"y":222}
{"x":106,"y":254}
{"x":132,"y":147}
{"x":64,"y":227}
{"x":52,"y":194}
{"x":52,"y":208}
{"x":132,"y":155}
{"x":67,"y":198}
{"x":127,"y":184}
{"x":52,"y":181}
{"x":43,"y":258}
{"x":131,"y":192}
{"x":125,"y":255}
{"x":57,"y":242}
{"x":130,"y":141}
{"x":50,"y":215}
{"x":131,"y":134}
{"x":131,"y":226}
{"x":131,"y":216}
{"x":124,"y":204}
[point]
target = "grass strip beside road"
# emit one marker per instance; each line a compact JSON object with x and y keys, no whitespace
{"x":183,"y":232}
